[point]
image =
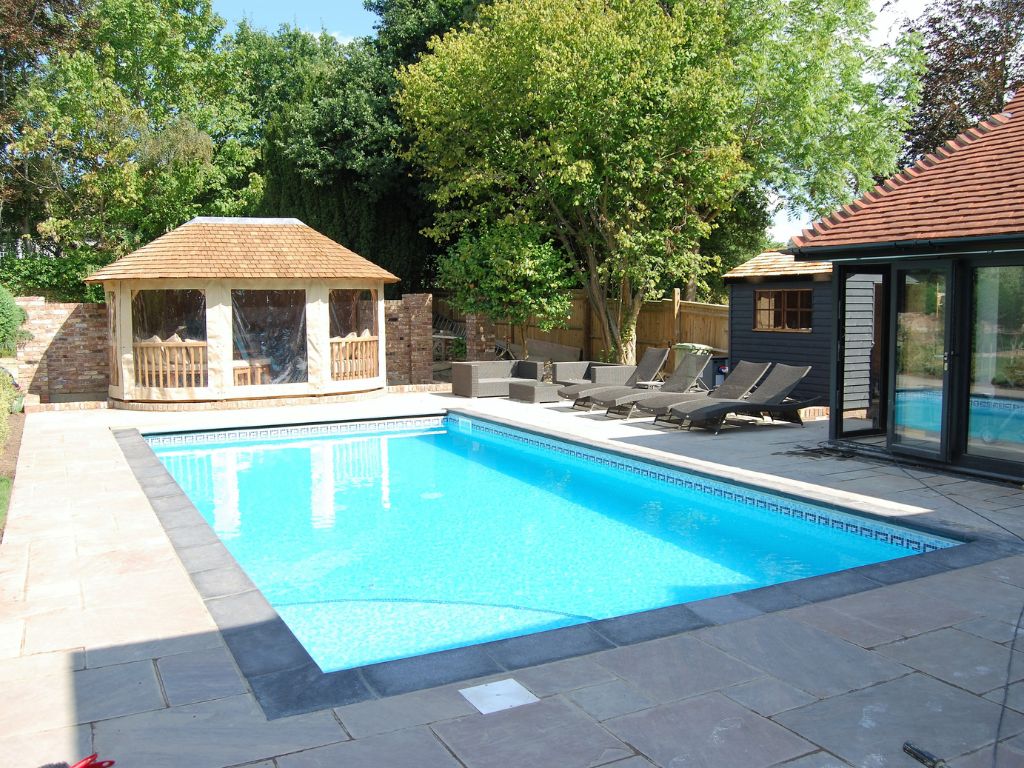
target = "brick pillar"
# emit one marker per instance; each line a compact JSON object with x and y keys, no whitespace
{"x":419,"y":309}
{"x":479,"y":338}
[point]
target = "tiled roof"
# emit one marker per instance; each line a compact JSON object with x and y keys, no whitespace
{"x":775,"y":264}
{"x":972,"y":186}
{"x":209,"y":248}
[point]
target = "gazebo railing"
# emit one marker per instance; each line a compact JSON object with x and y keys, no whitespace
{"x":170,"y":364}
{"x":354,"y":357}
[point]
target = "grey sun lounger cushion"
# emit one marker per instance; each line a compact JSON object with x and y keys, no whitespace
{"x":622,"y":400}
{"x":771,"y":396}
{"x":741,"y":379}
{"x":646,"y":370}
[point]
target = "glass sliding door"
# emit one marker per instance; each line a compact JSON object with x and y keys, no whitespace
{"x":995,"y":409}
{"x":920,"y":381}
{"x":861,"y":384}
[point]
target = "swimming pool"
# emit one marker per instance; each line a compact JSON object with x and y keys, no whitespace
{"x":384,"y":540}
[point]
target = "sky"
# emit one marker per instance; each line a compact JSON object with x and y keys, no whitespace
{"x":346,"y":19}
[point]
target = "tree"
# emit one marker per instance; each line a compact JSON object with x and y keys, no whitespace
{"x":627,"y":129}
{"x":136,"y":131}
{"x":509,"y":272}
{"x":30,"y":31}
{"x":975,"y":57}
{"x":333,"y":158}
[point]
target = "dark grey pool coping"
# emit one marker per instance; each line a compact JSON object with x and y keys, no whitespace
{"x":286,"y":681}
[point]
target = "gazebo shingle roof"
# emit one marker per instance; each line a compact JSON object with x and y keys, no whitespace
{"x":972,"y":186}
{"x":775,"y":264}
{"x":233,"y":248}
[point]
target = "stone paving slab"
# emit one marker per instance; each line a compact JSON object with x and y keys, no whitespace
{"x":79,"y":517}
{"x":959,"y":658}
{"x":211,"y":734}
{"x":390,"y":750}
{"x":708,"y":730}
{"x":675,"y":668}
{"x":869,"y":727}
{"x":803,"y":656}
{"x":549,"y":734}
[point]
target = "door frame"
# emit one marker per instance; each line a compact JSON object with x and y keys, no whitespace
{"x":951,"y":321}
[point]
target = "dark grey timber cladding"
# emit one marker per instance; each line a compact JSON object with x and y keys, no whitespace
{"x":790,"y":348}
{"x":859,"y":340}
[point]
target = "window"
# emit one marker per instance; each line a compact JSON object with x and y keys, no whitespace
{"x":169,"y":338}
{"x":269,"y":336}
{"x":783,"y":310}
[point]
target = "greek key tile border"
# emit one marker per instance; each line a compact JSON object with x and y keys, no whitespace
{"x":291,"y":432}
{"x":914,"y":541}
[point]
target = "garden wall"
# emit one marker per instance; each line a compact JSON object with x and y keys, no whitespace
{"x":66,"y":358}
{"x":67,"y":354}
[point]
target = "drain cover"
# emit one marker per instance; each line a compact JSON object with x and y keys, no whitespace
{"x":499,"y":695}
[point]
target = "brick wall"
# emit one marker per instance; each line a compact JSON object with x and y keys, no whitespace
{"x":67,"y":354}
{"x":408,"y":330}
{"x":479,"y":338}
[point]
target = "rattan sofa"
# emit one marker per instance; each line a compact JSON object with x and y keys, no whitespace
{"x":490,"y":378}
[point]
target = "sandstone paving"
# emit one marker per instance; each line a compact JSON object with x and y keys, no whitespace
{"x":99,"y":622}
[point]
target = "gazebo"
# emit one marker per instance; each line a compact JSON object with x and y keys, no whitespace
{"x":242,"y":308}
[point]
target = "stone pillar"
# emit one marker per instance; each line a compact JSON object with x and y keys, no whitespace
{"x":479,"y":338}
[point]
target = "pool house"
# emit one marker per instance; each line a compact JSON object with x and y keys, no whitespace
{"x":928,"y":292}
{"x":241,"y":309}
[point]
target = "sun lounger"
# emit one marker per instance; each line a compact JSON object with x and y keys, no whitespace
{"x":771,"y":399}
{"x":642,"y":377}
{"x":622,"y":401}
{"x":737,"y":385}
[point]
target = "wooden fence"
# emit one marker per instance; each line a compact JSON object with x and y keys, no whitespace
{"x":661,"y":323}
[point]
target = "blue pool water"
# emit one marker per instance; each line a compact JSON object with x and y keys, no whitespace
{"x":440,"y":533}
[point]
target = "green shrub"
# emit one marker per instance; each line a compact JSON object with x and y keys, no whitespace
{"x":11,"y":319}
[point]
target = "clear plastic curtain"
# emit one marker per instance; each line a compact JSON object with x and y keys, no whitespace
{"x":353,"y":313}
{"x":269,"y":336}
{"x":169,"y":315}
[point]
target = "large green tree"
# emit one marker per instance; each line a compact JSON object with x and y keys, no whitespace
{"x":30,"y":32}
{"x":628,"y":129}
{"x":975,"y":60}
{"x":333,"y":154}
{"x":136,"y":130}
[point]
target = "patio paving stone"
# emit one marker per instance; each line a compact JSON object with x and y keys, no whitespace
{"x":724,"y":610}
{"x":124,"y":689}
{"x":561,"y":676}
{"x":212,"y":734}
{"x":869,"y":727}
{"x":397,"y":712}
{"x":768,"y":696}
{"x":958,"y":658}
{"x":390,"y":750}
{"x":60,"y":745}
{"x":854,"y":630}
{"x":433,"y":669}
{"x":549,"y":734}
{"x":901,"y":611}
{"x":817,"y":760}
{"x":1011,"y":753}
{"x":708,"y":730}
{"x":803,"y":656}
{"x":1014,"y":697}
{"x":676,"y":667}
{"x":199,"y":676}
{"x":542,"y":647}
{"x":105,"y":656}
{"x":993,"y":629}
{"x":608,"y":700}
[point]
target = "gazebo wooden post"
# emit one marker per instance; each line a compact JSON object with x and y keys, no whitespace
{"x":218,"y":337}
{"x":318,"y":342}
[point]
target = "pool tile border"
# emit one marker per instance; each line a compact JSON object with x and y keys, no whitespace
{"x":286,"y":681}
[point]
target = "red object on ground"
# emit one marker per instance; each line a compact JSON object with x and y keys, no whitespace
{"x":92,"y":762}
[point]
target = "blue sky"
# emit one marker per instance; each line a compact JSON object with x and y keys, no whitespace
{"x":344,"y":19}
